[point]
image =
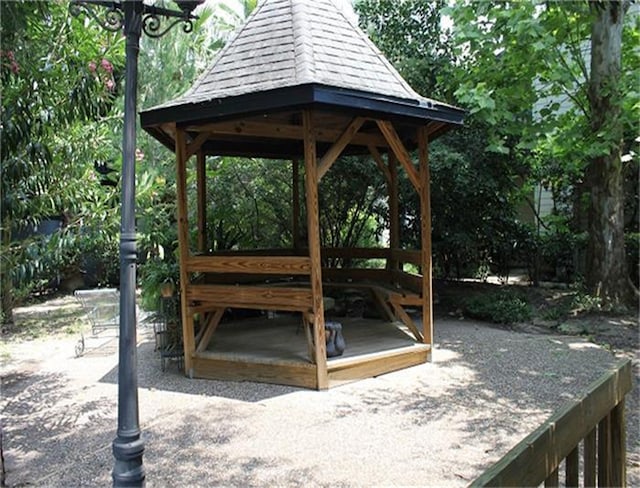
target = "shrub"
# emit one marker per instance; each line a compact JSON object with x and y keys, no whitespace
{"x":500,"y":307}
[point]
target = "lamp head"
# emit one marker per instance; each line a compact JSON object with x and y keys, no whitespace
{"x":188,"y":6}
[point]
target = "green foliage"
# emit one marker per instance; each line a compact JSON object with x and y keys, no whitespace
{"x":503,"y":307}
{"x":585,"y":303}
{"x":59,"y":78}
{"x":351,"y":211}
{"x":154,"y":274}
{"x":412,"y":37}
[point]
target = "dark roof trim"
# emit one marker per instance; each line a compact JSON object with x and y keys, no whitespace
{"x":297,"y":97}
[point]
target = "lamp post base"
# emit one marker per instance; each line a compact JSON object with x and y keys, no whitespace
{"x":128,"y":469}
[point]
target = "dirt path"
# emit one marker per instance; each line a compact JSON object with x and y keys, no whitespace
{"x":439,"y":424}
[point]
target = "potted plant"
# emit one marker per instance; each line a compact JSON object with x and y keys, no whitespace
{"x":158,"y":278}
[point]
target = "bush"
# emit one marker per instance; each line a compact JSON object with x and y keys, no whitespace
{"x":500,"y":307}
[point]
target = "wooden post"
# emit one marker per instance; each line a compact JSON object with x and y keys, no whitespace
{"x":425,"y":229}
{"x":604,"y":451}
{"x":572,"y":470}
{"x":188,"y":337}
{"x":202,"y":202}
{"x":296,"y":203}
{"x":618,"y":446}
{"x":313,"y":231}
{"x":394,"y":211}
{"x":590,"y":459}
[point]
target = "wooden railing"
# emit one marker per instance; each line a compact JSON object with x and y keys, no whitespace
{"x":596,"y":420}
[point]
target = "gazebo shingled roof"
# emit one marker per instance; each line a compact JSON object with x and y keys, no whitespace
{"x":291,"y":54}
{"x":299,"y":81}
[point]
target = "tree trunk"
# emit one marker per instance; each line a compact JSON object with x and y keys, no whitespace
{"x":607,"y":276}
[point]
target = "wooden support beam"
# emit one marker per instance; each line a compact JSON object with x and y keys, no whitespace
{"x":406,"y":320}
{"x":590,"y":460}
{"x":201,"y":184}
{"x":313,"y":229}
{"x":195,"y":145}
{"x":380,"y":301}
{"x":213,"y":320}
{"x":307,"y":323}
{"x":392,"y":137}
{"x":338,"y":146}
{"x":377,"y":157}
{"x":278,"y":265}
{"x":425,"y":230}
{"x":284,"y":131}
{"x":188,"y":336}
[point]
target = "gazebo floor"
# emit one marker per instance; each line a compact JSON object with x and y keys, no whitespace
{"x":274,"y":350}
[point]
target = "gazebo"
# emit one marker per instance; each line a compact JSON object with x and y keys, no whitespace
{"x":300,"y":82}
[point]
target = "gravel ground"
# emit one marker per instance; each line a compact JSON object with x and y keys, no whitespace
{"x":438,"y":424}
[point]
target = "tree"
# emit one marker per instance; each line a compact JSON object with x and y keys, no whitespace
{"x":58,"y":77}
{"x":565,"y":106}
{"x":474,"y":173}
{"x":607,"y":274}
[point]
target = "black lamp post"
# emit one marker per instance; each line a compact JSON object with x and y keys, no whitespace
{"x":134,"y":17}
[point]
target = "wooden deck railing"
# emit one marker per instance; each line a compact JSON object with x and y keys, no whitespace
{"x":596,"y":420}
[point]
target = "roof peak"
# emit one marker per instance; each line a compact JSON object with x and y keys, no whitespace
{"x":297,"y":42}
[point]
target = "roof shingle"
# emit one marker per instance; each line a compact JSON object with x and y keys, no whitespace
{"x":285,"y":43}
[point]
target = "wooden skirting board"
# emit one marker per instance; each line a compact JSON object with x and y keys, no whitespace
{"x":230,"y":367}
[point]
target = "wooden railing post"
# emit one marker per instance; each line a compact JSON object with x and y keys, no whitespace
{"x":618,"y":446}
{"x":572,"y":470}
{"x":537,"y":457}
{"x":604,"y":452}
{"x":590,"y":459}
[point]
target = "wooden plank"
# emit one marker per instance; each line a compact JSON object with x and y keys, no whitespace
{"x":604,"y":451}
{"x":338,"y":146}
{"x":313,"y":231}
{"x":375,"y":364}
{"x":618,"y":446}
{"x":425,"y":233}
{"x":226,"y":367}
{"x":286,"y":131}
{"x":252,"y":297}
{"x":243,"y":279}
{"x":188,"y":336}
{"x":590,"y":459}
{"x":209,"y":329}
{"x":572,"y":469}
{"x":377,"y":157}
{"x":392,"y":137}
{"x":285,"y":265}
{"x":536,"y":456}
{"x":201,"y":184}
{"x":406,"y":320}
